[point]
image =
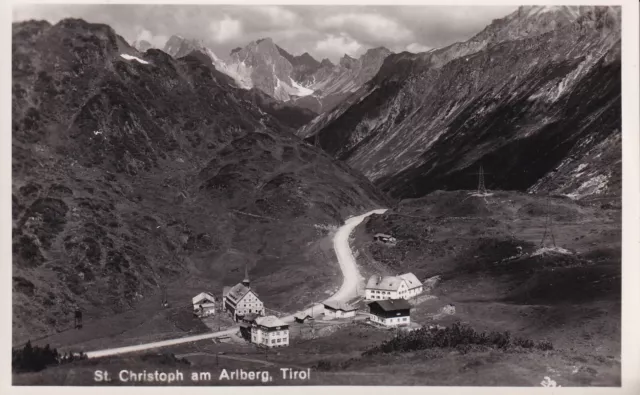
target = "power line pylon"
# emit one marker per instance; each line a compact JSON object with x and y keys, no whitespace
{"x":548,"y":225}
{"x":481,"y":188}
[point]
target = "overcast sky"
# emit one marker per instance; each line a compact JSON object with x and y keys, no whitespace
{"x":323,"y":31}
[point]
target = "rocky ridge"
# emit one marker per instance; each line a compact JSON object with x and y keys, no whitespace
{"x":531,"y":98}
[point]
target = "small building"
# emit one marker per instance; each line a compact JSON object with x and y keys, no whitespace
{"x":240,"y":300}
{"x":335,"y":309}
{"x":204,"y":304}
{"x":404,"y":286}
{"x":246,"y":323}
{"x":384,"y":238}
{"x":391,"y":312}
{"x":270,"y":332}
{"x":302,"y":317}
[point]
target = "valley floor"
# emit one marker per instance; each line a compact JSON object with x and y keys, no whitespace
{"x":571,"y":300}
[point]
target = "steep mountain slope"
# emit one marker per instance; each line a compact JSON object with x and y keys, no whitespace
{"x":534,"y":97}
{"x":134,"y":170}
{"x":299,"y":80}
{"x":288,"y":114}
{"x":331,"y":84}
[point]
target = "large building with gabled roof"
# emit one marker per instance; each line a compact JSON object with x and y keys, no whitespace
{"x":240,"y":300}
{"x":404,"y":286}
{"x":391,"y":312}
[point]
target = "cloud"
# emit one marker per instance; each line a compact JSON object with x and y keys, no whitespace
{"x":375,"y":26}
{"x":226,"y":29}
{"x":156,"y":41}
{"x":278,"y":16}
{"x":416,"y":47}
{"x":322,"y":31}
{"x":336,"y":46}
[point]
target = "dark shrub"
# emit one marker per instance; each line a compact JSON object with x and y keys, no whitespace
{"x":33,"y":359}
{"x":544,"y":345}
{"x":458,"y":336}
{"x":524,"y":343}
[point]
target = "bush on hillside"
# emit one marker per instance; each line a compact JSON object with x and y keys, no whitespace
{"x":458,"y":336}
{"x":34,"y":358}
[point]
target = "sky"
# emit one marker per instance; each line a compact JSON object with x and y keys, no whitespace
{"x":323,"y":31}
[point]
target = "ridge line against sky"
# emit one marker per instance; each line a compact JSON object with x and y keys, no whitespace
{"x":323,"y":31}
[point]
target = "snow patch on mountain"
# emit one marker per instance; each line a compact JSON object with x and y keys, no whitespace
{"x":302,"y":91}
{"x":130,"y":57}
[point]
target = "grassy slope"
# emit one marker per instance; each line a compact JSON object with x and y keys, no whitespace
{"x":131,"y":177}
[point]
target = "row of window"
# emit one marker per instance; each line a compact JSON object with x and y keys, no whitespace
{"x":401,"y":319}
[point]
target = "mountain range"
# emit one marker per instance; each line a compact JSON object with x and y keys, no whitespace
{"x":534,"y":98}
{"x":133,"y":170}
{"x":135,"y":166}
{"x":300,"y":80}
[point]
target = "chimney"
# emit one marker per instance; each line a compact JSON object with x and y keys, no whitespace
{"x":379,"y":279}
{"x":246,"y":281}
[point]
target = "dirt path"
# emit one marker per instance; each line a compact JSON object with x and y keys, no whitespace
{"x":347,"y":261}
{"x":164,"y":343}
{"x":347,"y":291}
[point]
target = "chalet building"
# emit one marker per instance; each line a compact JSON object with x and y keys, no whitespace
{"x":270,"y":332}
{"x":387,"y":239}
{"x":302,"y":317}
{"x":204,"y":304}
{"x":334,"y":309}
{"x":391,"y":312}
{"x":240,"y":300}
{"x":404,"y":286}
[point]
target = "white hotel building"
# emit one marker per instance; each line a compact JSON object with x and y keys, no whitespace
{"x":404,"y":286}
{"x":270,"y":332}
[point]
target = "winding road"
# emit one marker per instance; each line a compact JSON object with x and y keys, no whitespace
{"x":347,"y":291}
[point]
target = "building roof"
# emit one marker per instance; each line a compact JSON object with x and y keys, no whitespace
{"x":411,"y":279}
{"x":392,"y":304}
{"x":225,"y":290}
{"x":250,"y":317}
{"x":382,"y":235}
{"x":334,"y":304}
{"x":203,"y":296}
{"x":301,"y":315}
{"x":238,"y":292}
{"x":386,"y":283}
{"x":270,"y":321}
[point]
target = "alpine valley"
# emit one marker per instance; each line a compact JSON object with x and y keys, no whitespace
{"x":488,"y":169}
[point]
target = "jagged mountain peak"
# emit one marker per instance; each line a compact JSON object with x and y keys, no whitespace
{"x":378,"y":50}
{"x":326,"y":63}
{"x":265,"y":40}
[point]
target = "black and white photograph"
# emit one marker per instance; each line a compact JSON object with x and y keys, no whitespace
{"x":318,"y":195}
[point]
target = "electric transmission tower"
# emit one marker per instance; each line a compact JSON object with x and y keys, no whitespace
{"x":548,"y":226}
{"x":481,"y":188}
